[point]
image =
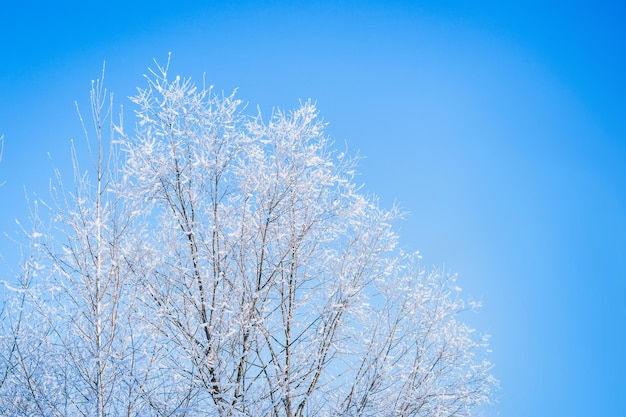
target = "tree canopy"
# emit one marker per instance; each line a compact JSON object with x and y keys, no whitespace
{"x":218,"y":263}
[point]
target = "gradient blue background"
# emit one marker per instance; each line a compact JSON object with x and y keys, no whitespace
{"x":499,"y":126}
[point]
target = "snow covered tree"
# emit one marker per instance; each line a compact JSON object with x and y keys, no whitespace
{"x":71,"y":338}
{"x":223,"y":264}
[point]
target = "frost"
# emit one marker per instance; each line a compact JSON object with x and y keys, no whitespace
{"x":225,"y":265}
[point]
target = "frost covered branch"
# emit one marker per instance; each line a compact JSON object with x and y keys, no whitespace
{"x":219,"y":263}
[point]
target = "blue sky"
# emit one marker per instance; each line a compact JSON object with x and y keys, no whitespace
{"x":499,"y":126}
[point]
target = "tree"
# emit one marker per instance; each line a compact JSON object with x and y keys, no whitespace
{"x":72,"y":340}
{"x":223,"y":264}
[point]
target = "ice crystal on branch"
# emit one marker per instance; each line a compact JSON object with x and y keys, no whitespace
{"x":217,"y":263}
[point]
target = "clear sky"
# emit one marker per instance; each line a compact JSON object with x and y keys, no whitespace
{"x":499,"y":126}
